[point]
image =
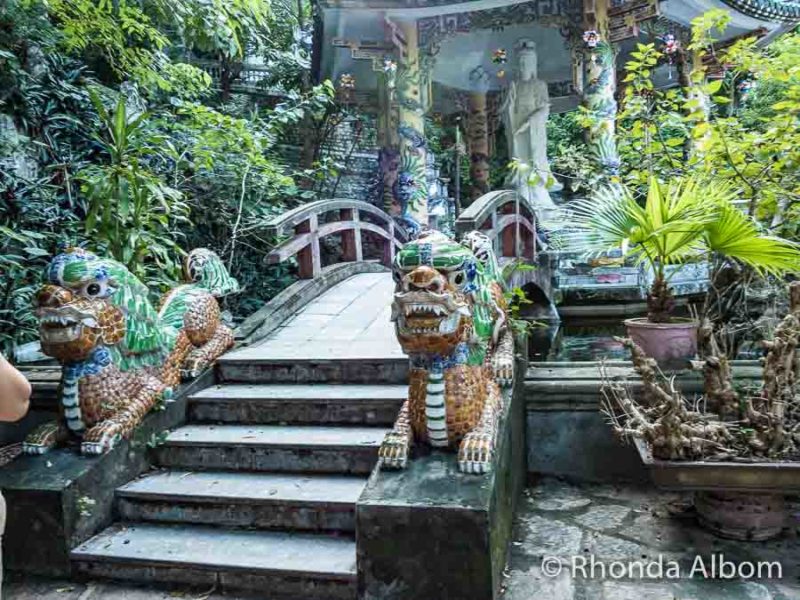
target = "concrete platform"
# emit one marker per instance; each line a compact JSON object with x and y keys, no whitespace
{"x":253,"y":500}
{"x":289,"y":565}
{"x":430,"y":531}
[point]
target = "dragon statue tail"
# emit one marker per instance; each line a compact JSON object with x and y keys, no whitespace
{"x":205,"y":269}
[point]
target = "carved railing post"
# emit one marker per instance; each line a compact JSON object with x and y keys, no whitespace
{"x":509,"y":221}
{"x":388,"y":247}
{"x":351,"y":238}
{"x":308,"y":259}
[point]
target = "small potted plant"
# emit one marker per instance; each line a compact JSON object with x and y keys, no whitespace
{"x":684,"y":221}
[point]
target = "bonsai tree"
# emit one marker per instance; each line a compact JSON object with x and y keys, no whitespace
{"x":687,"y":220}
{"x":729,"y":421}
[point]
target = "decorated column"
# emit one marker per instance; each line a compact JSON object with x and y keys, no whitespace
{"x":410,"y":193}
{"x":599,"y":87}
{"x":478,"y":133}
{"x":389,"y":155}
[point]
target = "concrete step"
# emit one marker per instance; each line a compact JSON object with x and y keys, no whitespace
{"x":285,"y":448}
{"x":293,"y":566}
{"x":330,"y":365}
{"x":298,"y":404}
{"x":231,"y":499}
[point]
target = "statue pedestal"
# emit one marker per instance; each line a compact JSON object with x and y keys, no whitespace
{"x":60,"y":499}
{"x":432,"y":532}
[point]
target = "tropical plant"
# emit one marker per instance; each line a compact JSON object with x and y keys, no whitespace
{"x":687,"y":220}
{"x":132,"y":214}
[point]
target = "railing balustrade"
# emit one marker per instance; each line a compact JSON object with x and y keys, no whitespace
{"x":305,"y":228}
{"x":507,"y":218}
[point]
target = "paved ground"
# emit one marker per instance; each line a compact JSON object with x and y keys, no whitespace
{"x":350,"y":320}
{"x":626,"y":528}
{"x":613,"y":524}
{"x":46,"y":589}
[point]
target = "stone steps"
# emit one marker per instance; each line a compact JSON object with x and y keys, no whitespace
{"x":298,"y":404}
{"x":258,"y":490}
{"x":235,"y":499}
{"x":306,"y":449}
{"x":289,"y":565}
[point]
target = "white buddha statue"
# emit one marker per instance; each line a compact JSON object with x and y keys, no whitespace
{"x":525,"y":111}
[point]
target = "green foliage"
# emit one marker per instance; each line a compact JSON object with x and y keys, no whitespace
{"x":131,"y":213}
{"x":750,"y":142}
{"x":683,"y":221}
{"x":219,"y":27}
{"x":152,"y":164}
{"x":118,"y":35}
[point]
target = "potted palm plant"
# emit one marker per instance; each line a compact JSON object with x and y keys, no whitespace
{"x":687,"y":220}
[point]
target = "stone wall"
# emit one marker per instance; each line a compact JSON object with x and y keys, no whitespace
{"x":353,"y":144}
{"x":567,"y":433}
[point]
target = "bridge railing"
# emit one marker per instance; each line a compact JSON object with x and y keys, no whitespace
{"x":507,"y":218}
{"x":304,"y":227}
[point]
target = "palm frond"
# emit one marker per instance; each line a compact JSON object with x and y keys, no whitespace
{"x":736,"y":235}
{"x":603,"y":222}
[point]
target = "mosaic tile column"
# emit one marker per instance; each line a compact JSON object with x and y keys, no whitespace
{"x":599,"y":86}
{"x":410,"y":192}
{"x":601,"y":106}
{"x":388,"y":119}
{"x":478,"y":138}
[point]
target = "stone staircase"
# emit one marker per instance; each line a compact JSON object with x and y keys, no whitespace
{"x":257,"y":491}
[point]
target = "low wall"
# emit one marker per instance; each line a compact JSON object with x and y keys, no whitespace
{"x":60,"y":499}
{"x":567,"y":434}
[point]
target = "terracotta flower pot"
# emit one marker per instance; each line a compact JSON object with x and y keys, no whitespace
{"x":672,"y":344}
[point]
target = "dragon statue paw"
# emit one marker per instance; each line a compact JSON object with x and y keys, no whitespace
{"x":101,"y":438}
{"x":393,"y":453}
{"x":192,"y":368}
{"x":475,"y":453}
{"x":44,"y":438}
{"x":503,"y":370}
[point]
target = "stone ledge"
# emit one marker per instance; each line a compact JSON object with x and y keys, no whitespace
{"x":433,"y":532}
{"x":58,"y":500}
{"x":567,"y":433}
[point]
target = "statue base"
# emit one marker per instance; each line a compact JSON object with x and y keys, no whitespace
{"x":430,"y":531}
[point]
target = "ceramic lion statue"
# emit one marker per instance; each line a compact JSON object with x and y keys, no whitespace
{"x":119,"y":354}
{"x":450,"y":318}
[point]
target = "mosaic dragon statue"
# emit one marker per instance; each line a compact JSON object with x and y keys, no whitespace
{"x":119,"y":354}
{"x":450,"y":318}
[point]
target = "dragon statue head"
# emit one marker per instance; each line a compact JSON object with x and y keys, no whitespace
{"x":439,"y":302}
{"x":90,"y":302}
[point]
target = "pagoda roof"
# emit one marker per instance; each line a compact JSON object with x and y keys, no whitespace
{"x":782,"y":11}
{"x":776,"y":11}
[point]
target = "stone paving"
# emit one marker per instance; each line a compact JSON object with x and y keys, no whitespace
{"x":621,"y":527}
{"x":352,"y":320}
{"x":31,"y":588}
{"x":646,"y":541}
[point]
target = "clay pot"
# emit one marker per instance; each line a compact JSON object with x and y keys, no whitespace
{"x":672,"y":344}
{"x":748,"y":517}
